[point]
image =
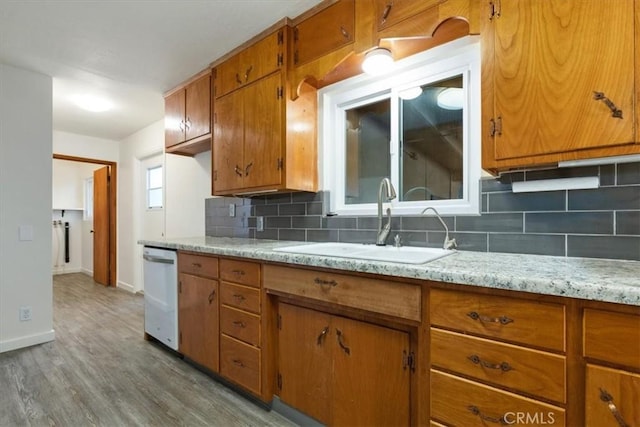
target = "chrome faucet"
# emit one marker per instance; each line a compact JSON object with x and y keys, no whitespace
{"x":389,"y":194}
{"x":448,"y":243}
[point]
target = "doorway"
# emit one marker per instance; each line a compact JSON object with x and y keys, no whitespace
{"x":104,"y":231}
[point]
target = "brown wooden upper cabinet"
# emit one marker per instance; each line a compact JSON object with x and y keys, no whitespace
{"x":251,"y":64}
{"x":324,"y":32}
{"x":188,"y":113}
{"x":390,"y":12}
{"x":558,"y":81}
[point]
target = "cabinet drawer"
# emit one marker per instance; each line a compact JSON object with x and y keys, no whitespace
{"x":607,"y":386}
{"x":241,"y":297}
{"x":243,"y":272}
{"x":240,"y":363}
{"x":530,"y":371}
{"x":611,"y":336}
{"x":198,"y":265}
{"x":379,"y":296}
{"x":241,"y":325}
{"x":390,"y":12}
{"x":459,"y":402}
{"x":520,"y":321}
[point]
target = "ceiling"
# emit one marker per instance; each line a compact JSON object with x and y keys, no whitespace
{"x":130,"y":52}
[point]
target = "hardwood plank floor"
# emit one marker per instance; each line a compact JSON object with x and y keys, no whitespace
{"x":100,"y":371}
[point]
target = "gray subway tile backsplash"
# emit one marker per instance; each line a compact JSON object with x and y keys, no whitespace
{"x":602,"y":223}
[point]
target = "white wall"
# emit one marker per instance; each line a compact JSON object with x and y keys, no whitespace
{"x":187,"y":185}
{"x":25,"y":200}
{"x":89,"y":147}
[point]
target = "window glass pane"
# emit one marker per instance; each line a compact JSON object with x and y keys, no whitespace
{"x":155,"y":198}
{"x":88,"y":199}
{"x":154,"y":177}
{"x":431,"y":161}
{"x":367,"y":151}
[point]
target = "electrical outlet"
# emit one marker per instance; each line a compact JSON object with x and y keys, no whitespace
{"x":25,"y":313}
{"x":260,"y":223}
{"x":232,"y":210}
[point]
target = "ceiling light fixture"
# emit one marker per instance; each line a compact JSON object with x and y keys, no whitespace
{"x":452,"y":98}
{"x":378,"y":61}
{"x":411,"y":93}
{"x":92,"y":103}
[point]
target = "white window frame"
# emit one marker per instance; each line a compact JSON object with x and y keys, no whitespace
{"x":149,"y":188}
{"x":459,"y":57}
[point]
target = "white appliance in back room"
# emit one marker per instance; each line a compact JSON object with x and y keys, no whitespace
{"x":161,"y":295}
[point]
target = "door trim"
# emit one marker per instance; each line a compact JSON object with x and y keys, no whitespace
{"x":112,"y":209}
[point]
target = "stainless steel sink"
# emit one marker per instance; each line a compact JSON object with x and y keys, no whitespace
{"x":404,"y":254}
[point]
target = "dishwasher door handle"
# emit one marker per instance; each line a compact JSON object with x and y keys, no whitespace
{"x":157,"y":259}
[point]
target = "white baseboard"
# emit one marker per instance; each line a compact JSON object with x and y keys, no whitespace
{"x":29,"y":340}
{"x":63,"y":270}
{"x":126,"y":287}
{"x":87,"y":272}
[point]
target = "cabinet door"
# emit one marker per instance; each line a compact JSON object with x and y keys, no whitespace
{"x":324,"y":32}
{"x":228,"y":76}
{"x":228,"y":143}
{"x":370,"y":378}
{"x":174,"y":127}
{"x":263,"y":137}
{"x":551,"y":58}
{"x":304,"y":359}
{"x":262,"y":58}
{"x":612,"y":397}
{"x":390,"y":12}
{"x":198,"y":320}
{"x":198,"y":108}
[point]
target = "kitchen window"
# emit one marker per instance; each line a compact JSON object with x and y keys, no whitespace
{"x":418,"y":126}
{"x":154,"y":187}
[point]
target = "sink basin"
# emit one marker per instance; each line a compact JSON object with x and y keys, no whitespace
{"x":404,"y":254}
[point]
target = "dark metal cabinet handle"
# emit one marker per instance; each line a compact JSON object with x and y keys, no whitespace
{"x":196,"y":264}
{"x":385,"y":14}
{"x":238,"y":170}
{"x":608,"y":399}
{"x":238,"y":272}
{"x":503,"y":320}
{"x":238,"y":362}
{"x":322,"y":335}
{"x":238,"y":79}
{"x":615,"y":111}
{"x":476,"y":411}
{"x":239,"y":297}
{"x":345,"y":33}
{"x":246,"y":74}
{"x":212,"y":296}
{"x":247,"y":169}
{"x":322,"y":282}
{"x":239,"y":324}
{"x":503,"y":366}
{"x":341,"y":343}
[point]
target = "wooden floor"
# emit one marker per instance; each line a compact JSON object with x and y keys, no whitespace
{"x":100,"y":371}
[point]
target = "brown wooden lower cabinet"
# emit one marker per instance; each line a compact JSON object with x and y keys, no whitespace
{"x":240,"y":363}
{"x":342,"y":371}
{"x":612,"y":397}
{"x":198,"y":313}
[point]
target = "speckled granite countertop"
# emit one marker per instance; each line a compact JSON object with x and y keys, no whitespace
{"x":591,"y":279}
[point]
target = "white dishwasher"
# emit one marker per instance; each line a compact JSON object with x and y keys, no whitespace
{"x":161,"y":295}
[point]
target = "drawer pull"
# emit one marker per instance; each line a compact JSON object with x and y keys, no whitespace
{"x":503,"y":366}
{"x":239,"y":323}
{"x":239,"y":297}
{"x":212,"y":296}
{"x":476,"y":411}
{"x":196,"y":264}
{"x":323,"y":282}
{"x":238,"y":362}
{"x":615,"y":111}
{"x":385,"y":13}
{"x":238,"y":272}
{"x":322,"y":335}
{"x":345,"y":33}
{"x":608,"y":399}
{"x":342,"y":346}
{"x":503,"y":320}
{"x":238,"y":79}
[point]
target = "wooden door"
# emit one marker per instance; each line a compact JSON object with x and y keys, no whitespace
{"x":174,"y":112}
{"x":228,"y":143}
{"x":263,"y":138}
{"x":304,"y":360}
{"x":198,"y":108}
{"x":371,"y":382}
{"x":551,"y":57}
{"x":606,"y":387}
{"x":101,"y":226}
{"x":198,"y":314}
